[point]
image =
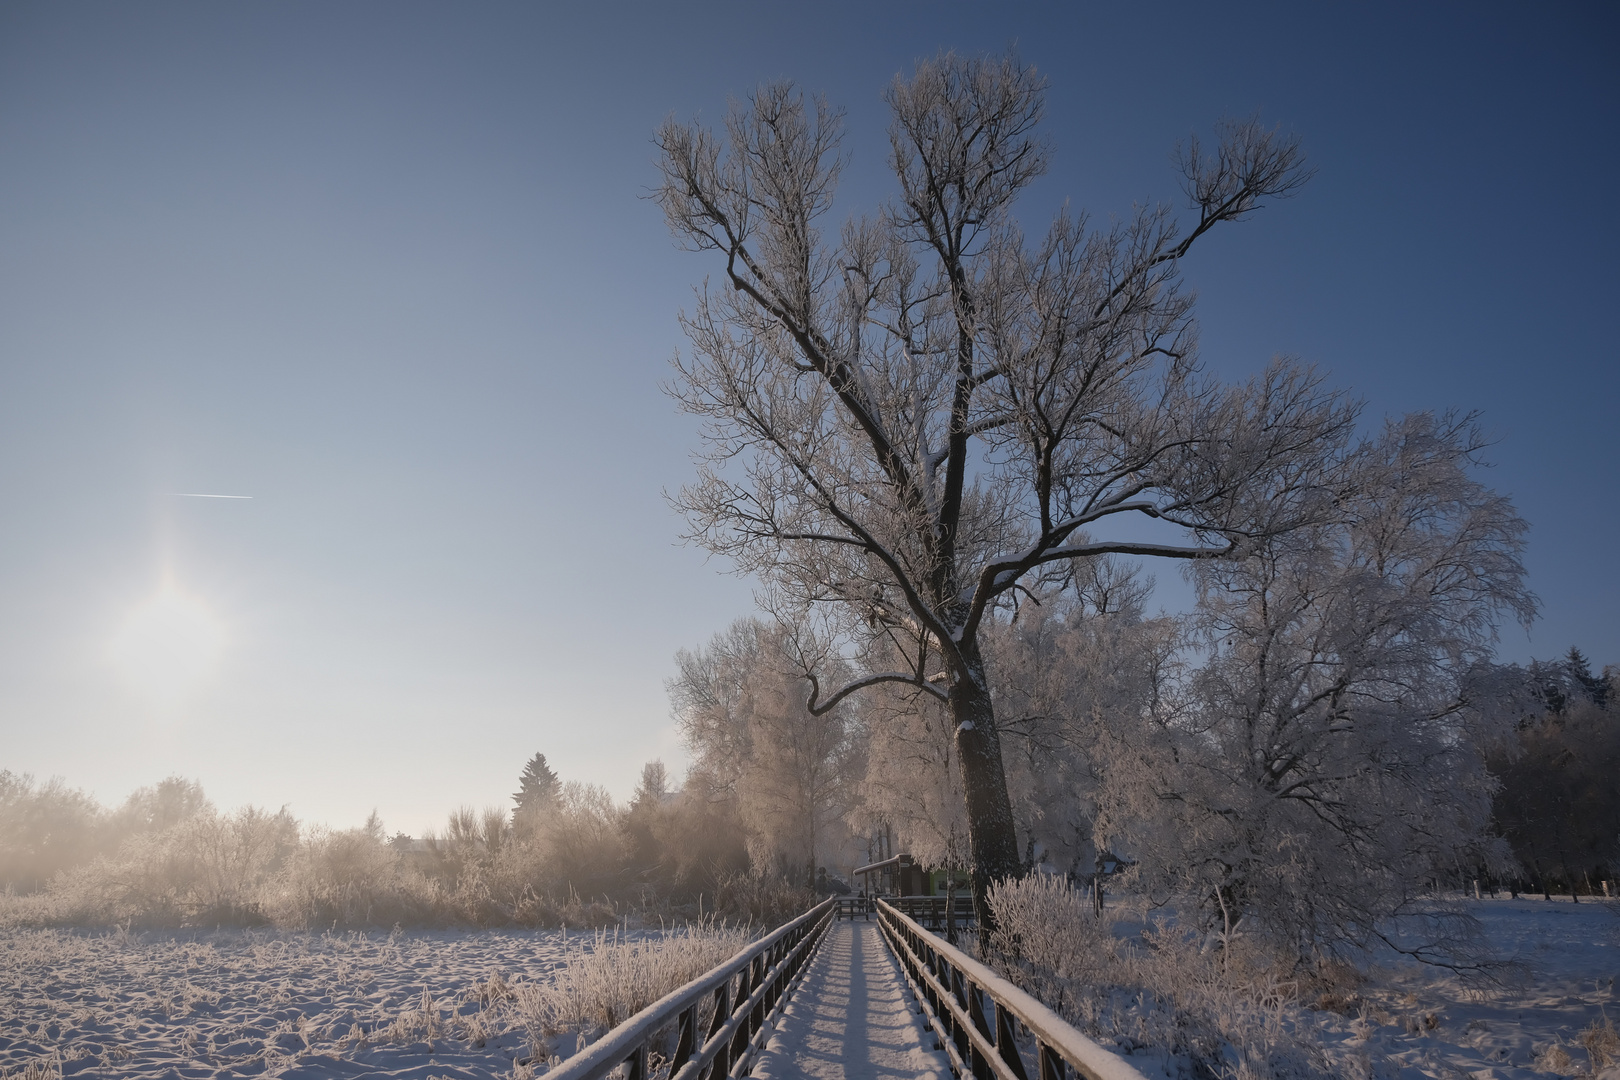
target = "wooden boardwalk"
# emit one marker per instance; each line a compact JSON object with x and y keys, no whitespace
{"x":852,"y":1018}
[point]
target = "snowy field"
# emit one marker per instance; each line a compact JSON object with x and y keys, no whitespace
{"x":262,"y":1003}
{"x":1410,"y":1021}
{"x":449,"y":1004}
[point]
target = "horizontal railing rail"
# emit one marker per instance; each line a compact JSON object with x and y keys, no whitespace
{"x":851,"y":907}
{"x":931,"y":911}
{"x":979,"y":1016}
{"x":746,"y":991}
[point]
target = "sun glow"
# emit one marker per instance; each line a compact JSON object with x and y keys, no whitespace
{"x":168,"y":644}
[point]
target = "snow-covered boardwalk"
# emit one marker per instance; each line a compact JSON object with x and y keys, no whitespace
{"x":852,"y":1018}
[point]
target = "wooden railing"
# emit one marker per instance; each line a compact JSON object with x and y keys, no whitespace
{"x":853,"y":907}
{"x":746,"y":991}
{"x":981,"y":1018}
{"x":930,"y":911}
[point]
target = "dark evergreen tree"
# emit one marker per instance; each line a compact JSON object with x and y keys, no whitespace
{"x":1593,"y":686}
{"x":1551,"y":683}
{"x":538,"y":788}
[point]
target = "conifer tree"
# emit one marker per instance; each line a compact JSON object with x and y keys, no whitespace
{"x":538,"y":788}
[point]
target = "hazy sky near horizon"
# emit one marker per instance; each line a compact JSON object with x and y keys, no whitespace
{"x":386,"y":269}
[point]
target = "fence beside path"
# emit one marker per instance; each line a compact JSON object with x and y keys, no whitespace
{"x":987,"y":1028}
{"x":746,"y":990}
{"x":936,"y":912}
{"x":981,"y":1019}
{"x":931,"y":912}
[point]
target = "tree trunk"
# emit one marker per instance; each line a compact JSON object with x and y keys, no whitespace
{"x":1569,"y":877}
{"x":992,"y":840}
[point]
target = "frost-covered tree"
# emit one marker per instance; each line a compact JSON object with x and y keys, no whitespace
{"x":1325,"y":764}
{"x":44,"y":829}
{"x":911,"y":421}
{"x":1559,"y":802}
{"x":1593,"y":687}
{"x":643,"y":822}
{"x":910,"y":782}
{"x":538,"y":791}
{"x":167,"y":803}
{"x":582,"y":842}
{"x":742,"y":712}
{"x":702,"y":839}
{"x":1067,"y":667}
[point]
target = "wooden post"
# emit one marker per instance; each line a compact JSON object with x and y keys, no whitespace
{"x":1007,"y":1042}
{"x":685,"y":1041}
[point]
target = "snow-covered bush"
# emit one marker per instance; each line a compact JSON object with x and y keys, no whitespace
{"x":168,"y":858}
{"x":1215,"y":1005}
{"x":205,"y":869}
{"x":760,"y":899}
{"x":44,"y":829}
{"x":350,"y":878}
{"x":608,"y":979}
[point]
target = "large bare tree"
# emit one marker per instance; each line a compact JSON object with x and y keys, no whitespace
{"x":915,"y":420}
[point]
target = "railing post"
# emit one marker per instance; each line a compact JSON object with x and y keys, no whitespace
{"x":975,"y":1006}
{"x":637,"y":1063}
{"x":739,"y":1038}
{"x":930,"y":965}
{"x":964,"y":1045}
{"x":1052,"y":1064}
{"x":1006,"y":1041}
{"x":685,"y":1041}
{"x":952,"y":987}
{"x":757,"y":1019}
{"x":722,"y":1012}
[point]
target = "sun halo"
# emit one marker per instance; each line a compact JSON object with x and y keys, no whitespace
{"x":168,"y":643}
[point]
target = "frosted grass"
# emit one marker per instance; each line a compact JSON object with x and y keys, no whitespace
{"x":266,"y":1003}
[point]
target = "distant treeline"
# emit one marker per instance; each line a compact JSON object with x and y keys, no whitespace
{"x":743,"y":837}
{"x":568,"y":855}
{"x":1559,"y":800}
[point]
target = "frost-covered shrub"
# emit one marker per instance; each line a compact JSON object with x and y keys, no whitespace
{"x":563,"y":864}
{"x":351,"y":878}
{"x":1602,"y":1044}
{"x":168,"y":858}
{"x":208,"y":868}
{"x":44,"y":829}
{"x":1217,"y":1005}
{"x":761,"y":899}
{"x":1047,"y":931}
{"x":607,"y":979}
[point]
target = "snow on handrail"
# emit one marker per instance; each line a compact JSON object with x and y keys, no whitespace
{"x":761,"y":973}
{"x":951,"y":987}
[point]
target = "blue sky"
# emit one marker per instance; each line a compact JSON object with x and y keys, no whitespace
{"x":387,"y":269}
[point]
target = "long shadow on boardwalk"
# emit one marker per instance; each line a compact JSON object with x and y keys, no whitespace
{"x":853,"y":1018}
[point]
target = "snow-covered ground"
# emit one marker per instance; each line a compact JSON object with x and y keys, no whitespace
{"x":256,"y":1003}
{"x":854,"y":1018}
{"x":449,"y":1004}
{"x":1415,"y":1021}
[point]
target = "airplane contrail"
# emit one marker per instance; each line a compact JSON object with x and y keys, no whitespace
{"x":200,"y":495}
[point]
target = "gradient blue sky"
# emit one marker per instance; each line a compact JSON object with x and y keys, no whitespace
{"x":385,"y":268}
